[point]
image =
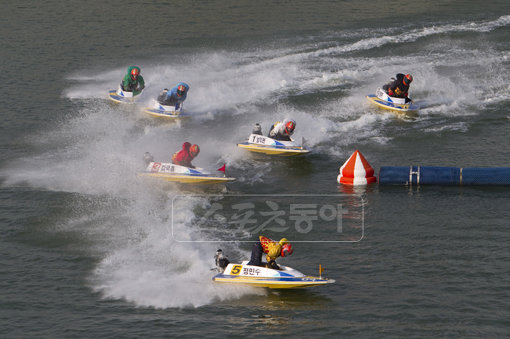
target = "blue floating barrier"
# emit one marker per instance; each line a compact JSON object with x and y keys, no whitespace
{"x":486,"y":176}
{"x":434,"y":175}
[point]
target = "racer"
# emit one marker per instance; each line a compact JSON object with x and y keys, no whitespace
{"x":133,"y":81}
{"x":282,"y":130}
{"x":272,"y":250}
{"x":186,"y":155}
{"x":399,"y":87}
{"x":175,"y":96}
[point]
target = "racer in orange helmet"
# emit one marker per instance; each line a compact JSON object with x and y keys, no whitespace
{"x":175,"y":96}
{"x":186,"y":155}
{"x":194,"y":150}
{"x":399,"y":87}
{"x":133,"y":81}
{"x":408,"y":78}
{"x":134,"y":73}
{"x":272,"y":249}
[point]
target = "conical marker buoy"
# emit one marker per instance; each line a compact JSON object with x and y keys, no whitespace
{"x":356,"y":171}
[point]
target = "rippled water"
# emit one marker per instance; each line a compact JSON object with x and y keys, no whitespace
{"x":88,"y":249}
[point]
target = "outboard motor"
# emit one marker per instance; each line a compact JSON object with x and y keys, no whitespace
{"x":257,"y":129}
{"x":162,"y":96}
{"x":148,"y":158}
{"x":221,"y":261}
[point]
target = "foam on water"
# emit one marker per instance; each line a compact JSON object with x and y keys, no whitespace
{"x":98,"y":151}
{"x":157,"y":269}
{"x":448,"y":75}
{"x":131,"y":224}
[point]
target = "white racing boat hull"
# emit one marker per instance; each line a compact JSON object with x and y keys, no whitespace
{"x":165,"y":111}
{"x":383,"y":100}
{"x":181,"y":174}
{"x":266,"y":145}
{"x":257,"y":276}
{"x":121,"y":97}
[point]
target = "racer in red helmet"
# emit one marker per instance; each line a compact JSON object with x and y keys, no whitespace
{"x":133,"y":81}
{"x":408,"y":78}
{"x":282,"y":130}
{"x":399,"y":87}
{"x":181,"y":90}
{"x":186,"y":155}
{"x":289,"y":127}
{"x":272,"y":249}
{"x":175,"y":96}
{"x":134,"y":73}
{"x":194,"y":150}
{"x":286,"y":250}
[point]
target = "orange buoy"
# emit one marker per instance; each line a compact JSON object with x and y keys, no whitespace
{"x":356,"y":171}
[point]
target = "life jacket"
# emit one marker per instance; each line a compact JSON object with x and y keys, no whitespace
{"x":397,"y":89}
{"x":270,"y":247}
{"x":277,"y":131}
{"x":183,"y":157}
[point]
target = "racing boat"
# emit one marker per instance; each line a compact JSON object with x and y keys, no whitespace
{"x":122,"y":97}
{"x":258,"y":276}
{"x":260,"y":144}
{"x":181,"y":174}
{"x":166,"y":111}
{"x":399,"y":105}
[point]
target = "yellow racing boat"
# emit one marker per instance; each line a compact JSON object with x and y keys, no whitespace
{"x":181,"y":174}
{"x":165,"y":111}
{"x":399,"y":105}
{"x":258,"y":276}
{"x":122,"y":97}
{"x":260,"y":144}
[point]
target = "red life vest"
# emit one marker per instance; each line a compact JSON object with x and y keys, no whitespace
{"x":183,"y":157}
{"x":265,"y":242}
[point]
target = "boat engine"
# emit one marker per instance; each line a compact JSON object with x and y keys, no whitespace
{"x":147,"y":158}
{"x":221,"y":261}
{"x":257,"y":129}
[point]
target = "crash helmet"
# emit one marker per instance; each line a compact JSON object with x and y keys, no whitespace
{"x":408,"y":79}
{"x":286,"y":250}
{"x":194,"y":150}
{"x":134,"y":72}
{"x":289,"y":127}
{"x":181,"y":90}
